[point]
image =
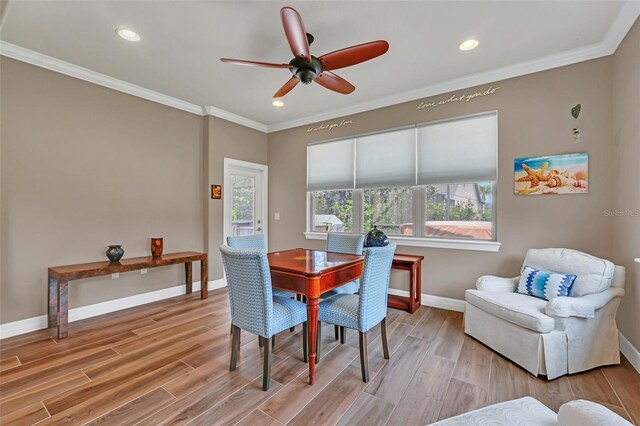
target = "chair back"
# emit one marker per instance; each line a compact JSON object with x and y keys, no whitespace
{"x":258,"y":242}
{"x":339,"y":242}
{"x":250,"y":295}
{"x":374,"y":285}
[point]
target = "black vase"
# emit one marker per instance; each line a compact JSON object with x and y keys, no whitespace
{"x":115,"y":252}
{"x":376,"y":238}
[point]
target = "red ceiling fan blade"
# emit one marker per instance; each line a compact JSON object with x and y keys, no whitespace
{"x":333,"y":82}
{"x":253,"y":63}
{"x":353,"y":55}
{"x":287,"y":87}
{"x":296,"y":35}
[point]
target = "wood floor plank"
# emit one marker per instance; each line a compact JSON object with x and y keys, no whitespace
{"x":411,"y":319}
{"x":424,"y":396}
{"x":234,"y":408}
{"x":592,"y":385}
{"x":367,"y":410}
{"x":450,"y":338}
{"x":287,"y":403}
{"x":54,"y":372}
{"x":29,"y":415}
{"x":9,"y":363}
{"x":209,"y":320}
{"x":117,"y":396}
{"x":427,"y":328}
{"x":25,"y":346}
{"x":170,"y":334}
{"x":136,"y":410}
{"x":333,"y":402}
{"x":625,"y":380}
{"x":42,"y":392}
{"x":462,"y":397}
{"x":397,"y":332}
{"x":130,"y":373}
{"x":474,"y":363}
{"x":508,"y":380}
{"x":394,"y":377}
{"x":41,"y":336}
{"x":258,"y":418}
{"x":552,"y":393}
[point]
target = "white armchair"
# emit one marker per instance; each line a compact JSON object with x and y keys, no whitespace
{"x":561,"y":336}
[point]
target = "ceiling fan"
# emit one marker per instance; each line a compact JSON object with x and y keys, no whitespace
{"x":307,"y":68}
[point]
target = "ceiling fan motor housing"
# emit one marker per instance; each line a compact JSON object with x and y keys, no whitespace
{"x":306,"y":71}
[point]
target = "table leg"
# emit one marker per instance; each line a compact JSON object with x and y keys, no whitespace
{"x":188,"y":273}
{"x":53,"y":302}
{"x":312,"y":326}
{"x":412,"y":288}
{"x":63,"y":309}
{"x":204,"y":279}
{"x":418,"y":286}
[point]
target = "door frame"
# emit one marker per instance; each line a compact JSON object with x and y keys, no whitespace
{"x":229,"y":164}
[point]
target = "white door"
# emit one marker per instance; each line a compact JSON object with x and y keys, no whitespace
{"x":244,"y":198}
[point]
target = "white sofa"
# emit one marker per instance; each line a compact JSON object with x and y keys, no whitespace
{"x":531,"y":412}
{"x":564,"y":335}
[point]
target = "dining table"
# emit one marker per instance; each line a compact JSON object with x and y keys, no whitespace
{"x":312,"y":273}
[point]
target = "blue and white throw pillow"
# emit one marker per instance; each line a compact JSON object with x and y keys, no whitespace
{"x":544,"y":284}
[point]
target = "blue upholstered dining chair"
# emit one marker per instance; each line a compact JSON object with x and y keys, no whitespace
{"x":257,"y":242}
{"x":254,"y":308}
{"x":369,"y":307}
{"x":340,"y":242}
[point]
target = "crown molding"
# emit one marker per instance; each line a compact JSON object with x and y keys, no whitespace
{"x":627,"y":16}
{"x":25,"y":55}
{"x":234,"y":118}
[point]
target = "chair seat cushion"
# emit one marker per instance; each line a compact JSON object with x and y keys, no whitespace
{"x":515,"y":308}
{"x":287,"y":313}
{"x":282,"y":293}
{"x":341,"y":310}
{"x":349,"y":288}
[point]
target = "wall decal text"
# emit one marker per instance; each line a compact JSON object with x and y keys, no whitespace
{"x":456,"y":98}
{"x":330,"y":126}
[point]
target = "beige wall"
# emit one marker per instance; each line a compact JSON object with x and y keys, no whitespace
{"x":226,"y":140}
{"x":626,"y":177}
{"x":534,"y":119}
{"x":84,"y":166}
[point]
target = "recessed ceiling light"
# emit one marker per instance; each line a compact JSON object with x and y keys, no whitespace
{"x":277,"y":103}
{"x":128,"y":34}
{"x":469,"y":44}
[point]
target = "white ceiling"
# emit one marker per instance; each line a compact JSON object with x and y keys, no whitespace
{"x":183,"y":41}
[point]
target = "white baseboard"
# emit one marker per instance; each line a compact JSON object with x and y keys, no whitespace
{"x":434,"y":301}
{"x":37,"y":323}
{"x":630,"y":352}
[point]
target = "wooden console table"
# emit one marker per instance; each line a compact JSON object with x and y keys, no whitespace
{"x":413,"y":264}
{"x":59,"y":277}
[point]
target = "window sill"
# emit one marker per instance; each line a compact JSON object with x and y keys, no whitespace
{"x":474,"y":245}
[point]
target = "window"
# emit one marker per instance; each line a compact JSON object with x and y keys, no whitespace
{"x":332,"y":211}
{"x":435,"y":180}
{"x":391,"y":209}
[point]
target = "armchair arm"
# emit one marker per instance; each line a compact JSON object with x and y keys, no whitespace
{"x":497,"y":284}
{"x":584,"y":306}
{"x":587,"y":413}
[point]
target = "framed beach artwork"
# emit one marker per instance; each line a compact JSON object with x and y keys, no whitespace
{"x":553,"y":174}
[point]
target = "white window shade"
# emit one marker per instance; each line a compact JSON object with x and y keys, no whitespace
{"x":330,"y":165}
{"x":386,"y":159}
{"x":458,"y":151}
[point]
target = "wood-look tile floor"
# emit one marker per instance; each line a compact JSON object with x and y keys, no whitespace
{"x":168,"y":363}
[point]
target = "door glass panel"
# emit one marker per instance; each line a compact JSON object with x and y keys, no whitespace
{"x":243,"y":205}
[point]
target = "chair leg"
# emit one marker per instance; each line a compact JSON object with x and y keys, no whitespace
{"x":273,"y":341}
{"x":234,"y":347}
{"x":266,"y":367}
{"x":343,"y":335}
{"x":383,"y":333}
{"x":305,"y":342}
{"x":336,"y":329}
{"x":292,"y":329}
{"x":318,"y":340}
{"x":260,"y":342}
{"x":364,"y":361}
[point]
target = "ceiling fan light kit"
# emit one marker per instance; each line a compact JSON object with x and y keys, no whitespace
{"x":307,"y":68}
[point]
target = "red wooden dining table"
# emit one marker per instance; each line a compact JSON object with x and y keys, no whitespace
{"x":312,"y":273}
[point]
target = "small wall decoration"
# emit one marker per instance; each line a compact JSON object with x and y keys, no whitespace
{"x":216,"y":192}
{"x":330,"y":126}
{"x":466,"y":97}
{"x":115,"y":252}
{"x":575,"y":113}
{"x":156,"y":247}
{"x":553,"y":174}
